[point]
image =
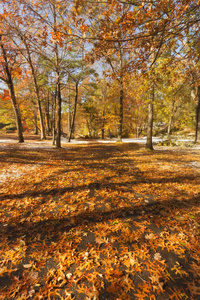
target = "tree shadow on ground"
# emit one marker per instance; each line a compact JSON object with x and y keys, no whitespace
{"x":51,"y":231}
{"x":57,"y":242}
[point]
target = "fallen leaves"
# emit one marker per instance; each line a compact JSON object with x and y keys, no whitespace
{"x":89,"y":221}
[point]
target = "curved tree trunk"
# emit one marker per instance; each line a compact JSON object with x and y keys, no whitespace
{"x":16,"y":111}
{"x":29,"y":60}
{"x":43,"y":136}
{"x":10,"y":85}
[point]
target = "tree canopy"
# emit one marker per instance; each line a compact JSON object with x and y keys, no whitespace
{"x":145,"y":52}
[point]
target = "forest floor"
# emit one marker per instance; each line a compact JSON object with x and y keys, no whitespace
{"x":98,"y":221}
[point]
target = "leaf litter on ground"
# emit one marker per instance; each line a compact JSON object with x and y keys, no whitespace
{"x":99,"y":221}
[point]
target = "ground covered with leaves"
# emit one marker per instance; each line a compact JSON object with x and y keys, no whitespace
{"x":99,"y":221}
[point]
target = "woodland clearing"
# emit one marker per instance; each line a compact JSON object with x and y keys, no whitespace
{"x":98,"y":221}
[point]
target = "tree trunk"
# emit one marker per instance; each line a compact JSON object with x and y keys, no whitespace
{"x":149,"y":144}
{"x":74,"y":113}
{"x":29,"y":60}
{"x":197,"y":134}
{"x":69,"y":112}
{"x":171,"y":119}
{"x":10,"y":85}
{"x":47,"y":116}
{"x":103,"y":125}
{"x":54,"y":118}
{"x":138,"y":131}
{"x":43,"y":136}
{"x":35,"y":123}
{"x":109,"y":133}
{"x":120,"y":129}
{"x":16,"y":111}
{"x":169,"y":128}
{"x":59,"y":109}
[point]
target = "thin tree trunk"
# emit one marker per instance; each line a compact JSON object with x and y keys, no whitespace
{"x":89,"y":129}
{"x":149,"y":144}
{"x":47,"y":115}
{"x":16,"y":111}
{"x":109,"y":133}
{"x":169,"y":128}
{"x":10,"y":85}
{"x":69,"y":114}
{"x":197,"y":133}
{"x":29,"y":60}
{"x":35,"y":123}
{"x":54,"y":119}
{"x":171,"y":120}
{"x":121,"y":99}
{"x":59,"y":109}
{"x":43,"y":136}
{"x":174,"y":111}
{"x":74,"y":113}
{"x":58,"y":84}
{"x":120,"y":129}
{"x":138,"y":131}
{"x":103,"y":125}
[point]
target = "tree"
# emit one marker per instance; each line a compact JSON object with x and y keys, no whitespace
{"x":128,"y":36}
{"x":82,"y":72}
{"x":29,"y":59}
{"x":18,"y":28}
{"x":145,"y":27}
{"x":197,"y":132}
{"x":8,"y":68}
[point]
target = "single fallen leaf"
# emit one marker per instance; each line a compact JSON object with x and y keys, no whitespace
{"x":27,"y":266}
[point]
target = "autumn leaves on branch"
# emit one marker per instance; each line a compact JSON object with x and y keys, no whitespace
{"x":56,"y":44}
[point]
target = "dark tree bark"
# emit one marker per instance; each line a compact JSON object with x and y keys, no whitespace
{"x":35,"y":123}
{"x":121,"y":99}
{"x":69,"y":112}
{"x":58,"y":84}
{"x":16,"y":111}
{"x":103,"y":125}
{"x":9,"y":82}
{"x":74,"y":113}
{"x":149,"y":144}
{"x":48,"y":116}
{"x":197,"y":134}
{"x":59,"y":109}
{"x":104,"y":94}
{"x":54,"y":118}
